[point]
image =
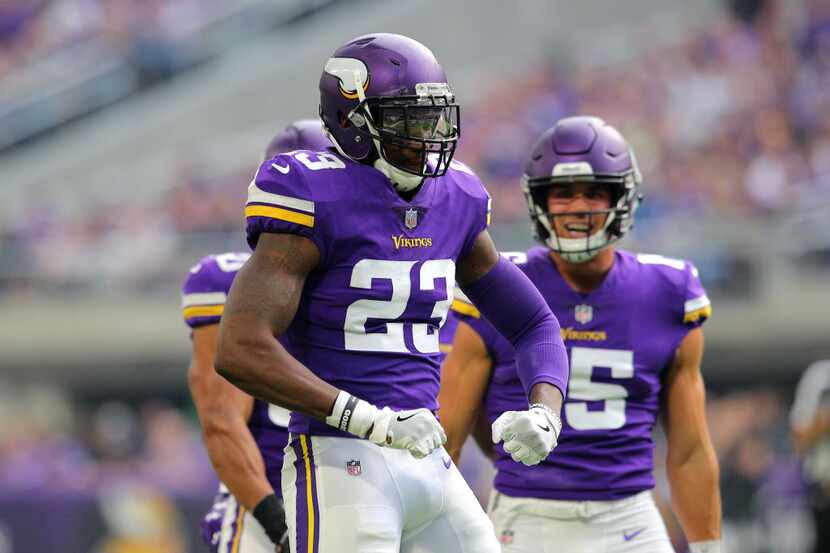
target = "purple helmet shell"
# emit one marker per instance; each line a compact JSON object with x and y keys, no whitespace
{"x":582,"y":149}
{"x":383,"y":93}
{"x":305,"y":134}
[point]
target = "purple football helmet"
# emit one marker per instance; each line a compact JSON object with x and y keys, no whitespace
{"x":305,"y":134}
{"x":582,"y":149}
{"x":385,"y":101}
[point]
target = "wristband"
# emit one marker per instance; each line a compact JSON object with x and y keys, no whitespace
{"x":352,"y":415}
{"x":271,"y":515}
{"x":708,"y":546}
{"x":554,"y":418}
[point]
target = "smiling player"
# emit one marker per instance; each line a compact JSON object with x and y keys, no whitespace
{"x":631,"y":323}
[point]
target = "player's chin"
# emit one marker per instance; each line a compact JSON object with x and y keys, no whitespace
{"x":408,"y":159}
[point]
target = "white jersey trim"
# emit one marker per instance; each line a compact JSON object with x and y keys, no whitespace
{"x":257,"y":195}
{"x":654,"y":259}
{"x":697,"y":303}
{"x":204,"y":298}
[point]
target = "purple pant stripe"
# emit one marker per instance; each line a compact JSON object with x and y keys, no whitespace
{"x":307,"y":512}
{"x":314,"y":503}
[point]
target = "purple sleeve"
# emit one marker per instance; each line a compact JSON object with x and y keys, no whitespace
{"x":479,"y":203}
{"x":206,"y":287}
{"x":280,"y":200}
{"x":462,"y":310}
{"x":514,"y":306}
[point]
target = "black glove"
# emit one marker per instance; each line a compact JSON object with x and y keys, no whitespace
{"x":271,"y":515}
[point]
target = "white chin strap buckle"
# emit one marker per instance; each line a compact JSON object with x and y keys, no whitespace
{"x":402,"y":181}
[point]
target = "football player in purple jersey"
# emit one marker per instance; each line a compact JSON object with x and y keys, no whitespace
{"x":631,"y":323}
{"x":244,"y":437}
{"x":303,"y":134}
{"x":355,"y":254}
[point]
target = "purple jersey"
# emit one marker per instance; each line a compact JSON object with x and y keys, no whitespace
{"x":620,"y":338}
{"x":460,"y":304}
{"x":369,"y":314}
{"x":203,"y":300}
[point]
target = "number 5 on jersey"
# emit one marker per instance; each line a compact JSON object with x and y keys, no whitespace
{"x":582,"y":387}
{"x":398,"y":273}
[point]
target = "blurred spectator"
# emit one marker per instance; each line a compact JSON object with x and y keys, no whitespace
{"x":810,"y":420}
{"x":49,"y":444}
{"x":139,"y":519}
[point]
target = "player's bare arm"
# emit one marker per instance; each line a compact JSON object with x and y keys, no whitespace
{"x":483,"y":435}
{"x":464,"y":377}
{"x":223,"y":412}
{"x":261,"y":305}
{"x":691,"y":463}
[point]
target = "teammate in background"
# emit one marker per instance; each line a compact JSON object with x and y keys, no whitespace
{"x":356,"y":253}
{"x":244,"y":437}
{"x":303,"y":134}
{"x":632,"y":327}
{"x":810,"y":421}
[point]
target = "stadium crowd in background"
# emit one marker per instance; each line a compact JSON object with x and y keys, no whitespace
{"x":733,"y":120}
{"x":752,"y":139}
{"x":32,"y":31}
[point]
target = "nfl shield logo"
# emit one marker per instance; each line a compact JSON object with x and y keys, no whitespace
{"x":353,"y":467}
{"x":410,"y":218}
{"x":583,"y":313}
{"x":506,"y":537}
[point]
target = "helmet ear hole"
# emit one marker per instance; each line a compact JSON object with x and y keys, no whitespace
{"x":343,"y":120}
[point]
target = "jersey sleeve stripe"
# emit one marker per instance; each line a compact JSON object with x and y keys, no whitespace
{"x":203,"y":298}
{"x":465,"y":308}
{"x":693,"y":316}
{"x":696,"y":304}
{"x":279,"y":213}
{"x":258,"y":195}
{"x":203,"y":311}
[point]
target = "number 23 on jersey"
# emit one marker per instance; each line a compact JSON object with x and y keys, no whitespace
{"x":398,"y":273}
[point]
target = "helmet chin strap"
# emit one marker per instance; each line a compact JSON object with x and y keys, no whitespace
{"x":401,"y":180}
{"x":574,"y":249}
{"x":578,"y":257}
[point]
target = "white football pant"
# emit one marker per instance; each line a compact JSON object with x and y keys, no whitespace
{"x":529,"y":525}
{"x":348,"y":495}
{"x":239,"y":532}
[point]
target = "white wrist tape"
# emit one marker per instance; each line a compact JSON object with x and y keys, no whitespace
{"x":352,"y":415}
{"x":708,"y":546}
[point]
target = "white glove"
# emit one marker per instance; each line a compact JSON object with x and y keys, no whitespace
{"x":529,"y":436}
{"x":416,"y":430}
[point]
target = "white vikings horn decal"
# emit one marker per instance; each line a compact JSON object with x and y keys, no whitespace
{"x":352,"y":74}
